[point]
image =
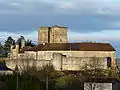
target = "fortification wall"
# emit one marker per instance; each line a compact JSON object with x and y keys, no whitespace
{"x":81,"y":63}
{"x":66,"y":60}
{"x":43,"y":55}
{"x":111,"y":54}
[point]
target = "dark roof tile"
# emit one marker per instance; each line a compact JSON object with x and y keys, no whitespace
{"x":73,"y":47}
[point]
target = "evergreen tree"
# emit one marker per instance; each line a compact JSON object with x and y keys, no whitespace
{"x":10,"y":41}
{"x":29,"y":43}
{"x":1,"y":46}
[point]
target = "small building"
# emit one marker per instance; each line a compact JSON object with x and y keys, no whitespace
{"x":4,"y":69}
{"x":102,"y":84}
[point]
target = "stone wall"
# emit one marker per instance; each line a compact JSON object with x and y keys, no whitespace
{"x":66,"y":60}
{"x":49,"y":54}
{"x":58,"y":35}
{"x":14,"y":52}
{"x":42,"y":55}
{"x":43,"y":33}
{"x":81,"y":63}
{"x":52,"y":35}
{"x":61,"y":62}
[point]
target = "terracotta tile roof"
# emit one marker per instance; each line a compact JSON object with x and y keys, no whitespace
{"x":73,"y":47}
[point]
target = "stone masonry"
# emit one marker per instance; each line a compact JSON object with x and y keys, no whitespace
{"x":55,"y":34}
{"x":53,"y":48}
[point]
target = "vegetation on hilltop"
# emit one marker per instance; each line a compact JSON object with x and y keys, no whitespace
{"x":48,"y":77}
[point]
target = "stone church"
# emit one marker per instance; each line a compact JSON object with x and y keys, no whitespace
{"x":53,"y":48}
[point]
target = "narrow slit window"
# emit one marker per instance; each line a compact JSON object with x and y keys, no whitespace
{"x":108,"y":62}
{"x":60,"y":40}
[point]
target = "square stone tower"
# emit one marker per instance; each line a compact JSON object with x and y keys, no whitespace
{"x":43,"y":35}
{"x":54,"y":34}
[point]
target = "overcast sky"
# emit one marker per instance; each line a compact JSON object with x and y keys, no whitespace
{"x":87,"y":20}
